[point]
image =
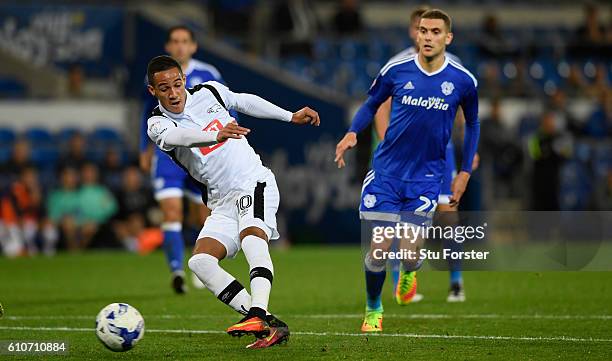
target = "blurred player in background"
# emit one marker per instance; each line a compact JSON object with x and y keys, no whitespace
{"x":195,"y":128}
{"x":446,"y":213}
{"x":426,"y":91}
{"x":170,"y":182}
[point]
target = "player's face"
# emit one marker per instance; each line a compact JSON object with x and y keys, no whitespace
{"x":169,"y":88}
{"x":181,"y":46}
{"x":433,"y":37}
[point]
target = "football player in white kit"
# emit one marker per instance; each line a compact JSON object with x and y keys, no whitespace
{"x":193,"y":126}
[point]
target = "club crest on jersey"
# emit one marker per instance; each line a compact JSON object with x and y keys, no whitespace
{"x":447,"y":88}
{"x":214,"y":109}
{"x":369,"y":200}
{"x":427,"y":103}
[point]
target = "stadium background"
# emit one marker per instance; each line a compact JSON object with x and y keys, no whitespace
{"x":71,"y":91}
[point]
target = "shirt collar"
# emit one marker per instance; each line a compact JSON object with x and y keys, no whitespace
{"x":176,"y":115}
{"x":190,"y":67}
{"x":418,"y":64}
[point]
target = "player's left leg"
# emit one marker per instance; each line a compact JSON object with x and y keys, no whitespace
{"x":379,"y":208}
{"x":256,"y":210}
{"x":448,"y":216}
{"x":417,"y":213}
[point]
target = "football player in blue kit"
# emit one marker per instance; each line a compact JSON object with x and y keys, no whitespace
{"x":446,"y":214}
{"x":426,"y":91}
{"x":171,"y":183}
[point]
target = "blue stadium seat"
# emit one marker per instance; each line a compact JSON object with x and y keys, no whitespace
{"x":65,"y":134}
{"x":105,"y":135}
{"x":38,"y":135}
{"x":45,"y":156}
{"x":7,"y":136}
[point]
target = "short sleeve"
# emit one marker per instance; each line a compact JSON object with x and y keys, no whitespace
{"x":158,"y":128}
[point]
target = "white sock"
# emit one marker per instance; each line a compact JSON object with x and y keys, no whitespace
{"x":262,"y":272}
{"x":222,"y":284}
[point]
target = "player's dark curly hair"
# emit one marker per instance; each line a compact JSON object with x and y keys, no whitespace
{"x":161,"y":63}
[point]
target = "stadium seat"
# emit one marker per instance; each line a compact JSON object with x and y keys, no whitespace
{"x":66,"y":133}
{"x":105,"y":135}
{"x":38,"y":135}
{"x":7,"y":136}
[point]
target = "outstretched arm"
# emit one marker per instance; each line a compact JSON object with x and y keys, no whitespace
{"x":258,"y":107}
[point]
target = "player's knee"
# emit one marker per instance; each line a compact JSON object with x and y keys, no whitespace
{"x":253,"y":231}
{"x":172,"y":210}
{"x":374,"y":264}
{"x":211,"y":247}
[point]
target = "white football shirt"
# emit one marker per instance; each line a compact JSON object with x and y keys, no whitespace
{"x":221,"y":167}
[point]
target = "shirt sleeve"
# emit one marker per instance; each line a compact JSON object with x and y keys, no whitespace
{"x":380,"y":91}
{"x":469,"y":104}
{"x":158,"y":128}
{"x":250,"y":104}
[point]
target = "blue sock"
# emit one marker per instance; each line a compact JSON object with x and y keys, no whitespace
{"x":375,"y":279}
{"x":454,"y":266}
{"x":455,"y":277}
{"x":395,"y":271}
{"x":174,"y":246}
{"x":374,"y":285}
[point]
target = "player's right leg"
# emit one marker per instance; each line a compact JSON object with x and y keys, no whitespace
{"x":205,"y":264}
{"x":196,"y":216}
{"x":168,"y":180}
{"x":378,"y":208}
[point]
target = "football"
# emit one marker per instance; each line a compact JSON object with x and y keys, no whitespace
{"x":119,"y":326}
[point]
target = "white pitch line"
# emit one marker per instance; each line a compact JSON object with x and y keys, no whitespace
{"x":341,"y":334}
{"x":416,"y":316}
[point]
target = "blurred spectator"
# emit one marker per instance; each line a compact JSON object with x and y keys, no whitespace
{"x":590,"y":38}
{"x":112,"y":170}
{"x":63,"y":208}
{"x":489,"y":85}
{"x":492,"y":44}
{"x":23,"y":216}
{"x":75,"y":156}
{"x":75,"y":81}
{"x":96,"y":203}
{"x":600,"y":81}
{"x":232,"y":16}
{"x":557,"y":103}
{"x":548,"y":150}
{"x":501,"y":156}
{"x":575,"y":85}
{"x":135,"y":201}
{"x":19,"y":161}
{"x":521,"y":85}
{"x":599,"y":123}
{"x":294,"y":24}
{"x":347,"y":20}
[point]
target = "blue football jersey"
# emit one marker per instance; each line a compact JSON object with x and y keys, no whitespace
{"x":423,"y":110}
{"x":197,"y":72}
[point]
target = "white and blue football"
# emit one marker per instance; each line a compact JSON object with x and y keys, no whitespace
{"x":119,"y":326}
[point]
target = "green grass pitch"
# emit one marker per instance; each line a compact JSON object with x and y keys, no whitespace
{"x":319,"y":292}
